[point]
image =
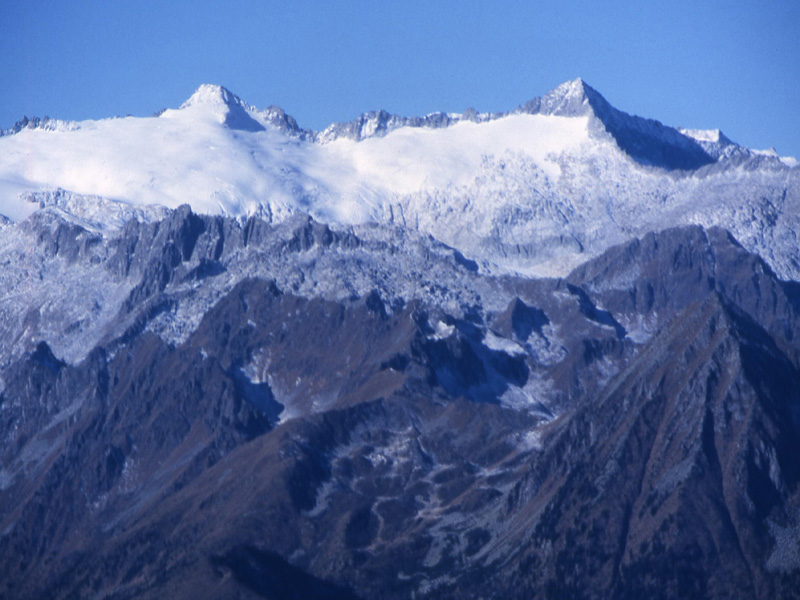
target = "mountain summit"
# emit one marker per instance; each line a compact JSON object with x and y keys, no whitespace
{"x":570,"y":99}
{"x":212,"y":95}
{"x":227,"y":106}
{"x":647,"y":141}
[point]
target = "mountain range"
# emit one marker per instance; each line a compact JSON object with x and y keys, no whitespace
{"x":519,"y":190}
{"x":551,"y":352}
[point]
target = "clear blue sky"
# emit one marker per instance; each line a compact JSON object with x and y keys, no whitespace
{"x":731,"y":64}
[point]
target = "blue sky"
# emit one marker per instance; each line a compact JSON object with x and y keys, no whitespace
{"x":734,"y":65}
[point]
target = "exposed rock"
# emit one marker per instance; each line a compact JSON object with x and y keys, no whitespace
{"x":630,"y":431}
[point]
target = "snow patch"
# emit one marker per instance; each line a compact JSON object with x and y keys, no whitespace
{"x":789,"y":161}
{"x":442,"y":331}
{"x":501,"y":344}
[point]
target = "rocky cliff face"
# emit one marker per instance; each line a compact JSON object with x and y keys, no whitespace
{"x":201,"y":406}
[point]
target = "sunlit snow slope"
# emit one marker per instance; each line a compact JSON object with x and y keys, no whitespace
{"x":536,"y":190}
{"x":193,"y":155}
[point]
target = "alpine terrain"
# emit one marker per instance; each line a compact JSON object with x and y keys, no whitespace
{"x":547,"y":353}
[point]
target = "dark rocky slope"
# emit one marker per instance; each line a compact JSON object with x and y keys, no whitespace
{"x":295,"y":446}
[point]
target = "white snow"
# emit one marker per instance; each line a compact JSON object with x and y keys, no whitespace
{"x":768,"y":152}
{"x":442,"y":331}
{"x":703,"y":135}
{"x":189,"y":156}
{"x":500,"y":344}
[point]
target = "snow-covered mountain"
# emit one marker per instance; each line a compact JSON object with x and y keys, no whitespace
{"x":535,"y":190}
{"x":239,"y":358}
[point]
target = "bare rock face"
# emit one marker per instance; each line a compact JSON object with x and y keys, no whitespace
{"x":272,"y":411}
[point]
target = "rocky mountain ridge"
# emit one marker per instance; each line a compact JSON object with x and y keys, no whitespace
{"x":572,"y":98}
{"x":446,"y":443}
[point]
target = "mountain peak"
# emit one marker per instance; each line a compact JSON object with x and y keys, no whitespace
{"x":574,"y":98}
{"x":574,"y":88}
{"x":209,"y":94}
{"x":647,"y":141}
{"x":231,"y":110}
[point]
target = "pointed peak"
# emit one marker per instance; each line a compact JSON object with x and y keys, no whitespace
{"x":224,"y":106}
{"x":572,"y":98}
{"x":645,"y":140}
{"x":574,"y":87}
{"x":212,"y":95}
{"x":573,"y":93}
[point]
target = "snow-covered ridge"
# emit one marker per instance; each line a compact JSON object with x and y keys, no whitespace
{"x":535,"y":190}
{"x":367,"y":125}
{"x":707,"y":135}
{"x":680,"y":148}
{"x":45,"y":124}
{"x":221,"y":155}
{"x":572,"y":98}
